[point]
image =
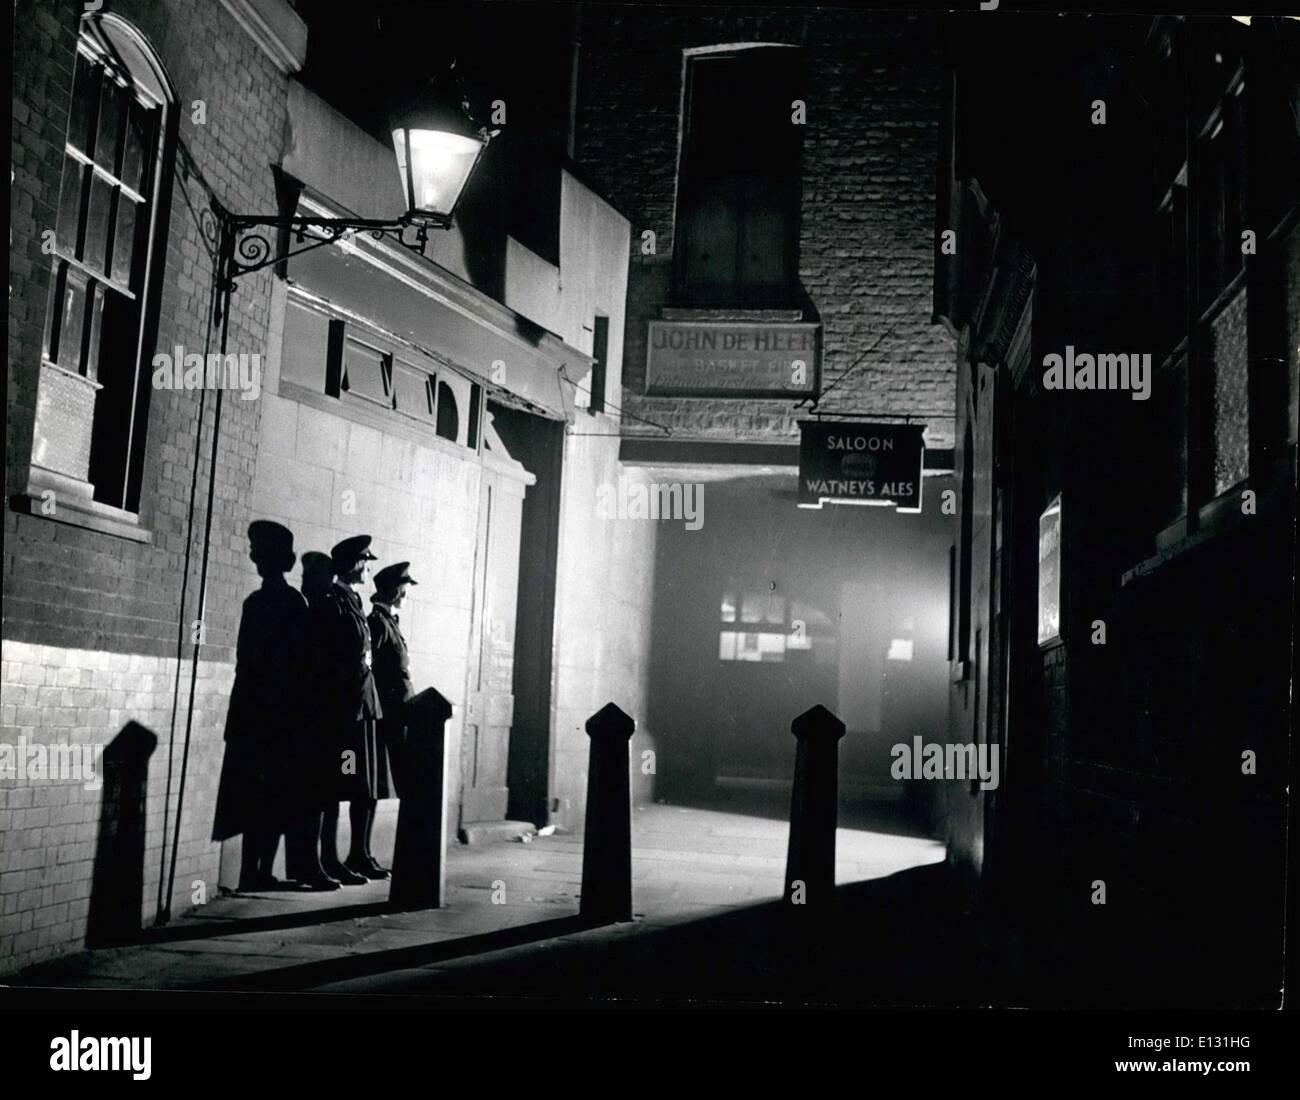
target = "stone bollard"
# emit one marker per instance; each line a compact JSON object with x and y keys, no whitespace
{"x":607,"y":839}
{"x":420,"y":850}
{"x":814,"y":805}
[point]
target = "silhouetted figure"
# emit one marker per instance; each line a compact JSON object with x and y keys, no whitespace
{"x":392,"y":674}
{"x":314,"y":787}
{"x":265,"y":702}
{"x":317,"y":575}
{"x":350,"y":710}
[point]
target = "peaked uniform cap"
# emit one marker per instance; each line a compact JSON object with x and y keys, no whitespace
{"x":391,"y":576}
{"x":347,"y":553}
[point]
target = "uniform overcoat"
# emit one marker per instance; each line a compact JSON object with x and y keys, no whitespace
{"x":348,"y":701}
{"x":392,"y":666}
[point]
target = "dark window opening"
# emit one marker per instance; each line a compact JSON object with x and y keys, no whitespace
{"x":600,"y":353}
{"x":448,"y":419}
{"x":334,"y":359}
{"x":97,"y":321}
{"x":738,"y":188}
{"x":475,"y":408}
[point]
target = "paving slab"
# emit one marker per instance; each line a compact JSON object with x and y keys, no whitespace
{"x":689,"y":865}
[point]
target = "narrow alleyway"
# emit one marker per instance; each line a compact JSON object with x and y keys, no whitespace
{"x":698,"y":874}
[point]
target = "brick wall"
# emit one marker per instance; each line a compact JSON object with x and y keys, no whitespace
{"x":90,"y":619}
{"x":869,"y":161}
{"x":56,"y":696}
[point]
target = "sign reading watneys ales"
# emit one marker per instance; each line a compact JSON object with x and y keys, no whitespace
{"x":850,"y":462}
{"x":731,"y":358}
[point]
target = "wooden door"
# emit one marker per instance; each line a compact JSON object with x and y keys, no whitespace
{"x":489,"y":701}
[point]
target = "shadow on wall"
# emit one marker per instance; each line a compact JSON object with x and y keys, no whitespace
{"x":481,"y":223}
{"x":117,"y":887}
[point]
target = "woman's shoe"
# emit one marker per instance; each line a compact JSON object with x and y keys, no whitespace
{"x":367,"y":868}
{"x":345,"y":874}
{"x":378,"y":871}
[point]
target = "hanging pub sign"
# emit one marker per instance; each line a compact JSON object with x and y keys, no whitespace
{"x":1049,"y":574}
{"x":852,"y":462}
{"x":731,"y":359}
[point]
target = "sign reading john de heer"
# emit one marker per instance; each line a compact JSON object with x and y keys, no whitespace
{"x":731,"y":358}
{"x":852,"y":462}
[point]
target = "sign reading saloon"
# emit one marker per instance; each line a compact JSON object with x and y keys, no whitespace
{"x":850,"y":462}
{"x":731,"y":359}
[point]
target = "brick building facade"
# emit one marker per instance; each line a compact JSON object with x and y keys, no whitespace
{"x":101,"y":596}
{"x":865,"y":179}
{"x":92,"y":596}
{"x":798,"y":146}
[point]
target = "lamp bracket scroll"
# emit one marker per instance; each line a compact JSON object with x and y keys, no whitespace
{"x":245,"y":243}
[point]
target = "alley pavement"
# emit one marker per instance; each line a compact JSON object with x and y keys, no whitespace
{"x":709,"y":925}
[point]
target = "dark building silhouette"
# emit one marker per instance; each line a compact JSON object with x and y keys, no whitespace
{"x":1124,"y":559}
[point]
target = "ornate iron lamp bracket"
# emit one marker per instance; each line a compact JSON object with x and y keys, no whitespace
{"x":246,"y":243}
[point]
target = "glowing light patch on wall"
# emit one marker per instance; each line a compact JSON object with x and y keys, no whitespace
{"x":900,"y":649}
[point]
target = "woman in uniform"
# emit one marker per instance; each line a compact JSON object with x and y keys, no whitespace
{"x":391,"y":662}
{"x":350,"y":710}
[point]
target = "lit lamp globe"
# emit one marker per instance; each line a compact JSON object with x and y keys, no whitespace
{"x":437,"y":149}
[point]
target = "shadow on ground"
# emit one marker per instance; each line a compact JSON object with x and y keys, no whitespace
{"x":902,"y":940}
{"x":279,"y":922}
{"x":313,"y":974}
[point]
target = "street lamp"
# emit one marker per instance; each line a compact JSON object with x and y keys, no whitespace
{"x":437,"y":146}
{"x":437,"y":143}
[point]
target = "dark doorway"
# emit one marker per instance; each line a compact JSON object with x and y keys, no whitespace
{"x":538,"y":444}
